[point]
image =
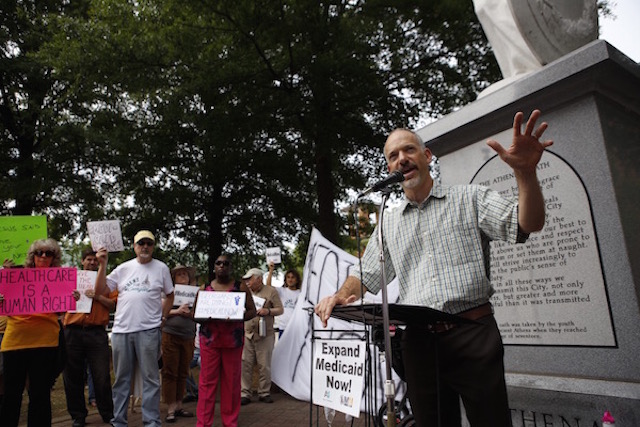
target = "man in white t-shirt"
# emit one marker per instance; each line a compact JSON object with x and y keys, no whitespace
{"x":136,"y":333}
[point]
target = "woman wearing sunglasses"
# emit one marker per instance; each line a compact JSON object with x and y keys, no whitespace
{"x":29,"y":350}
{"x":221,"y":344}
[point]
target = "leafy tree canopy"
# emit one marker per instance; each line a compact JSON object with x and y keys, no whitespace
{"x":223,"y":125}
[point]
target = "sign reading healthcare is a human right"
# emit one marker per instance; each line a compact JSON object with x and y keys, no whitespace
{"x":37,"y":290}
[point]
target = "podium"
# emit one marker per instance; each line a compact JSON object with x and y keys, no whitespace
{"x":399,"y":315}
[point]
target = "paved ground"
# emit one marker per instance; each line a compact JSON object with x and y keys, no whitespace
{"x":285,"y":411}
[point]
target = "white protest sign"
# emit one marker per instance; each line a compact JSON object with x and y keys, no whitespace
{"x":338,"y":375}
{"x":274,"y":256}
{"x":258,"y":301}
{"x":219,"y":305}
{"x":184,"y":294}
{"x":86,"y":279}
{"x":326,"y":268}
{"x":105,"y":234}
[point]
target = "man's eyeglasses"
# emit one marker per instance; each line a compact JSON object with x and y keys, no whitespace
{"x":48,"y":254}
{"x":145,"y":243}
{"x":225,"y":263}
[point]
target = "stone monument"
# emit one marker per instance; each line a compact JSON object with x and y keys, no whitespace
{"x":567,"y":302}
{"x":527,"y":34}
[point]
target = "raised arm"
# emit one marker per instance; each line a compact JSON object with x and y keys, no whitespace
{"x":101,"y":287}
{"x":523,"y":156}
{"x":271,"y":267}
{"x":348,"y":293}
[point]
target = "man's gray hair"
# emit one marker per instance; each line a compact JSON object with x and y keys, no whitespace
{"x":415,"y":135}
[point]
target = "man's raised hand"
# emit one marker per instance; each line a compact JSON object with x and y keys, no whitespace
{"x":526,"y":149}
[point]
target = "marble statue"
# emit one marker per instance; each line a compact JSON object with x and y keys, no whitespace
{"x":527,"y":34}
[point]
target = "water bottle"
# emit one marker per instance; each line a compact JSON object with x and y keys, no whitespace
{"x":262,"y":327}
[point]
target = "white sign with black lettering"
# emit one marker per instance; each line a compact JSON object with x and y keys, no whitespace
{"x":105,"y":234}
{"x":219,"y":305}
{"x":274,"y":255}
{"x":184,"y":294}
{"x":338,"y":375}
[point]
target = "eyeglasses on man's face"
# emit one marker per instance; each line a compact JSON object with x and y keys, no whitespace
{"x":145,"y":243}
{"x":223,"y":262}
{"x":48,"y":254}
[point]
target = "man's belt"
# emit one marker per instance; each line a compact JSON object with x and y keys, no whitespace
{"x":479,"y":312}
{"x":473,"y":314}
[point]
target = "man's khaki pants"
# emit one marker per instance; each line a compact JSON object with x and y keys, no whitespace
{"x":257,"y":351}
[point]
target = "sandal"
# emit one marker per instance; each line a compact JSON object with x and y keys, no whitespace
{"x":183,"y":413}
{"x":171,"y":417}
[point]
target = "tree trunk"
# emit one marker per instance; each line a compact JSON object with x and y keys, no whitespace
{"x":325,"y":190}
{"x":26,"y":191}
{"x":214,"y":219}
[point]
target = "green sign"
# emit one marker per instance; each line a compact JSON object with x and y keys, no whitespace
{"x":17,"y":233}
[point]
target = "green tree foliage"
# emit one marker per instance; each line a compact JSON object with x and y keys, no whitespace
{"x":43,"y":150}
{"x":233,"y":125}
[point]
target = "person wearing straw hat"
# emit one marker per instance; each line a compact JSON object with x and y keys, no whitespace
{"x":178,"y":333}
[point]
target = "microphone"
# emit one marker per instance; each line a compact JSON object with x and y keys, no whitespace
{"x":392,"y":178}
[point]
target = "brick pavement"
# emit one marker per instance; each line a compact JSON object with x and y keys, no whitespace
{"x":285,"y":411}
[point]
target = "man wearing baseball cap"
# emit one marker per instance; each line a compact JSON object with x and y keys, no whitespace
{"x":136,"y":333}
{"x":257,"y":348}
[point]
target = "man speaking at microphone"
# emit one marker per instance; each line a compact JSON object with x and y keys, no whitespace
{"x":437,"y":244}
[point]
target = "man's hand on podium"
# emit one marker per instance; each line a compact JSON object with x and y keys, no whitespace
{"x":324,"y":308}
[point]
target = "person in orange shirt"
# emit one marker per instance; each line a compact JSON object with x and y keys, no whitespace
{"x":86,"y":338}
{"x":29,"y":350}
{"x":3,"y":325}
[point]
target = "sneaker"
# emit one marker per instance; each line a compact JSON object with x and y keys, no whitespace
{"x":266,"y":399}
{"x":245,"y":401}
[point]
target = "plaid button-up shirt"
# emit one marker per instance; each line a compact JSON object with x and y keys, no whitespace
{"x":439,"y":249}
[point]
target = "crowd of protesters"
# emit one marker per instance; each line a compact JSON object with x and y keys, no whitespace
{"x":151,"y":339}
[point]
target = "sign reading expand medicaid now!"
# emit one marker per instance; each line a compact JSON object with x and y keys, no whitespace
{"x":37,"y":290}
{"x":338,"y":375}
